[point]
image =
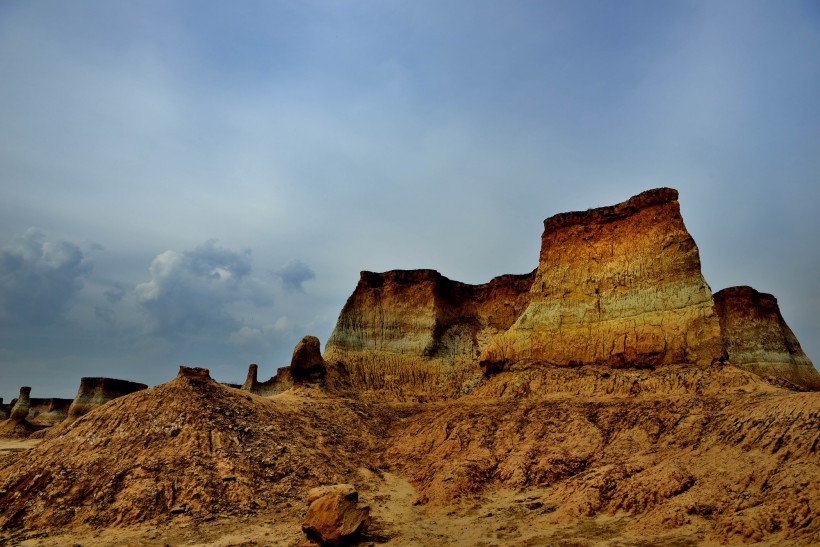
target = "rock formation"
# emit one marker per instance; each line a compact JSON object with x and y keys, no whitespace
{"x":95,"y":392}
{"x":19,"y":411}
{"x":48,"y":411}
{"x":757,"y":338}
{"x":281,"y":381}
{"x":4,"y":413}
{"x":307,"y":362}
{"x":418,"y":333}
{"x":619,"y":286}
{"x":17,"y":426}
{"x":334,"y":514}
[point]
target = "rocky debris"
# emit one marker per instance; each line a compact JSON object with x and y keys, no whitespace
{"x":415,"y":334}
{"x":94,"y":392}
{"x":307,"y":362}
{"x":280,"y":382}
{"x":334,"y":514}
{"x":741,"y":465}
{"x":756,"y":337}
{"x":19,"y":411}
{"x":190,"y":443}
{"x":618,"y":285}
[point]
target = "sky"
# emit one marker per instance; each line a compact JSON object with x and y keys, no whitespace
{"x":201,"y":182}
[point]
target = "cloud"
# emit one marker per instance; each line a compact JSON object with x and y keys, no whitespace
{"x":293,"y":274}
{"x":189,"y":292}
{"x":39,"y":278}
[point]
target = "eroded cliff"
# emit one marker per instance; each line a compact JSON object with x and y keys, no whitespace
{"x":618,"y":286}
{"x":757,"y":338}
{"x":94,"y":392}
{"x":418,"y":333}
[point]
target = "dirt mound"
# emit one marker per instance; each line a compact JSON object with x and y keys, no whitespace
{"x":743,"y":465}
{"x":190,"y":446}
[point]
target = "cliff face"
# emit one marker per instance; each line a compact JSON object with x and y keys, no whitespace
{"x":417,"y":329}
{"x":94,"y":392}
{"x":618,"y":286}
{"x":757,"y":338}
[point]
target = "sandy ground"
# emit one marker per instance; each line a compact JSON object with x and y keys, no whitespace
{"x":504,"y":517}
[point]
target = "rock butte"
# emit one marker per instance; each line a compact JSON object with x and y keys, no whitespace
{"x":756,"y":337}
{"x":617,"y":286}
{"x":94,"y":392}
{"x":599,"y":386}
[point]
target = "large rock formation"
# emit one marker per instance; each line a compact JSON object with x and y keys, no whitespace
{"x":417,"y":332}
{"x":94,"y":392}
{"x":757,"y":338}
{"x":618,"y":286}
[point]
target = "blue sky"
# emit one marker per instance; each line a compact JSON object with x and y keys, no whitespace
{"x":201,"y":182}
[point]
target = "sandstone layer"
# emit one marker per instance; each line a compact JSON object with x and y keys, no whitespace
{"x":619,"y":286}
{"x":757,"y":338}
{"x":418,"y":333}
{"x":95,"y":392}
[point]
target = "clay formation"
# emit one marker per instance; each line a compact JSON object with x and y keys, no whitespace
{"x":757,"y":338}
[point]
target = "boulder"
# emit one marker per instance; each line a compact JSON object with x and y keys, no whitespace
{"x":334,"y":514}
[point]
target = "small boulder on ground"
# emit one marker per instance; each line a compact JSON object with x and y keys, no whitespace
{"x":334,"y":514}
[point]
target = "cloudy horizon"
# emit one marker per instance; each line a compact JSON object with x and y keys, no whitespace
{"x":201,"y":183}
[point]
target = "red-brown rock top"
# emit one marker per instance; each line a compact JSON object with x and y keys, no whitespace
{"x":602,"y":215}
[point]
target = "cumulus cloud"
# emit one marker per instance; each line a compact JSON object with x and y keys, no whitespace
{"x":293,"y":274}
{"x":189,"y":291}
{"x":39,"y":278}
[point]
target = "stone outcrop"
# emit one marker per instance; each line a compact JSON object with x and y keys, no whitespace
{"x":95,"y":392}
{"x":307,"y":362}
{"x":757,"y":338}
{"x":277,"y":384}
{"x":4,"y":412}
{"x":280,"y":382}
{"x":334,"y":514}
{"x":418,"y":332}
{"x":616,"y":286}
{"x":19,"y":411}
{"x":48,"y":411}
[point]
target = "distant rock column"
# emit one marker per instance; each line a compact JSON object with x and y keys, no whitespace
{"x":21,"y":407}
{"x":251,"y":382}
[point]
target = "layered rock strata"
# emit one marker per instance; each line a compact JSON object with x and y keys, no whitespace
{"x":48,"y":411}
{"x":756,"y":337}
{"x":617,"y":286}
{"x":415,"y":331}
{"x":95,"y":392}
